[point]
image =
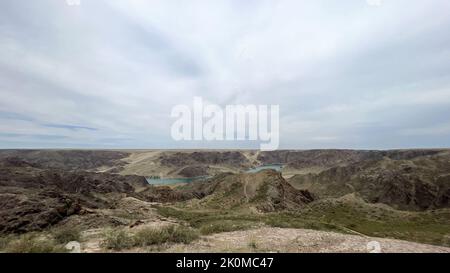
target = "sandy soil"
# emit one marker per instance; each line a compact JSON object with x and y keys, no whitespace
{"x":269,"y":240}
{"x":299,"y":241}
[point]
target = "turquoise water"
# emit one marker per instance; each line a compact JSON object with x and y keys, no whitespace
{"x":276,"y":167}
{"x":168,"y":181}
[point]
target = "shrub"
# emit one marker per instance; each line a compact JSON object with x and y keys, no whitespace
{"x":117,"y":240}
{"x":67,"y":234}
{"x":170,"y":234}
{"x":181,"y":234}
{"x":150,"y":236}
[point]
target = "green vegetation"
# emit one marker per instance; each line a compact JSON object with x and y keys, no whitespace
{"x":225,"y":226}
{"x":213,"y":221}
{"x":32,"y":243}
{"x":295,"y":220}
{"x":67,"y":234}
{"x":431,"y":227}
{"x":119,"y":239}
{"x":170,"y":234}
{"x":223,"y":221}
{"x":181,"y":234}
{"x":4,"y":241}
{"x":149,"y":236}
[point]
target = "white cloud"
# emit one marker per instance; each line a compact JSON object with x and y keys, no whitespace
{"x":345,"y":74}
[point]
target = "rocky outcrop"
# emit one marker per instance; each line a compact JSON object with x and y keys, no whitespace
{"x":418,"y":184}
{"x":334,"y":158}
{"x":316,"y":158}
{"x":67,"y":159}
{"x":266,"y":191}
{"x":32,"y":199}
{"x":20,"y":213}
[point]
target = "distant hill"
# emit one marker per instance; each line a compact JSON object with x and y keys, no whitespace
{"x":67,"y":159}
{"x":264,"y":191}
{"x":401,"y":180}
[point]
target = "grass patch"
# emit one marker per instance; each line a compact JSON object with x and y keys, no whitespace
{"x":295,"y":220}
{"x":117,"y":240}
{"x":430,"y":227}
{"x":181,"y":235}
{"x":149,"y":236}
{"x":215,"y":221}
{"x":32,"y":243}
{"x":120,"y":239}
{"x":170,"y":234}
{"x":67,"y":234}
{"x":4,"y":241}
{"x":225,"y":226}
{"x":423,"y":227}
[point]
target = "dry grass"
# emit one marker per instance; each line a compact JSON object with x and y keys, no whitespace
{"x":32,"y":243}
{"x":120,"y":239}
{"x":67,"y":234}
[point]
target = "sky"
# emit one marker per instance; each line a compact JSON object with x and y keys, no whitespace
{"x":356,"y":74}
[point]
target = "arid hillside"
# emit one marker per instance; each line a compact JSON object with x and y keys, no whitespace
{"x":417,"y":183}
{"x":103,"y":200}
{"x":264,"y":191}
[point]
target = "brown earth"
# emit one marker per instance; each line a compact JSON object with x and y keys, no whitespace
{"x":32,"y":199}
{"x":266,"y":191}
{"x":67,"y":159}
{"x":419,"y":183}
{"x":288,"y":240}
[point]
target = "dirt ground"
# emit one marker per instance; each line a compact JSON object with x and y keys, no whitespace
{"x":282,"y":240}
{"x":300,"y":240}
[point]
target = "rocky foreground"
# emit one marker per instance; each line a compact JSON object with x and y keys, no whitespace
{"x":287,"y":240}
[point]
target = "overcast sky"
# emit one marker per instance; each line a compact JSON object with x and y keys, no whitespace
{"x":106,"y":74}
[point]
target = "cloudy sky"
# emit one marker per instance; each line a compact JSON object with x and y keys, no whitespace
{"x":360,"y":74}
